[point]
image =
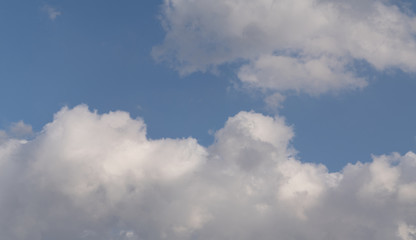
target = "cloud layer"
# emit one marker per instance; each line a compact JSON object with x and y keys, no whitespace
{"x":310,"y":46}
{"x":93,"y":176}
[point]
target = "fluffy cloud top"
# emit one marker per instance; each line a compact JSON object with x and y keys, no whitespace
{"x":92,"y":176}
{"x":307,"y":46}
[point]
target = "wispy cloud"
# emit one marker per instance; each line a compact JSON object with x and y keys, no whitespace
{"x":52,"y":12}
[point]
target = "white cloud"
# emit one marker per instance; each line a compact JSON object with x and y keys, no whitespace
{"x":92,"y":176}
{"x":52,"y":12}
{"x":288,"y":45}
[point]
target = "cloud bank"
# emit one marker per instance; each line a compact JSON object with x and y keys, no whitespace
{"x":310,"y":46}
{"x":97,"y":176}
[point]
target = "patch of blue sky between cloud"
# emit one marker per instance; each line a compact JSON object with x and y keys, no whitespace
{"x":303,"y":46}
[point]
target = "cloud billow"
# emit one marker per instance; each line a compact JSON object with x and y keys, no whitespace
{"x":97,"y":176}
{"x":308,"y":46}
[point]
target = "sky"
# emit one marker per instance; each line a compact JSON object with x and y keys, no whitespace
{"x":190,"y":119}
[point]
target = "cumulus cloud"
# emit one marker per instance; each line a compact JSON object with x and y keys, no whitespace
{"x":310,"y":46}
{"x":97,"y":176}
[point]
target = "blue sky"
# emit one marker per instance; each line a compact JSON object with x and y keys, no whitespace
{"x":100,"y":54}
{"x":208,"y":119}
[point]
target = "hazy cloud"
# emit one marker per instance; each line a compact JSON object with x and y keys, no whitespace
{"x":93,"y":176}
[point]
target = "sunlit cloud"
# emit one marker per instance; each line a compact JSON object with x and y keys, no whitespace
{"x":97,"y":176}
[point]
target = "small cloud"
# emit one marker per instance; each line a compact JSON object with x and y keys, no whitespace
{"x":20,"y":130}
{"x":51,"y":11}
{"x":274,"y":101}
